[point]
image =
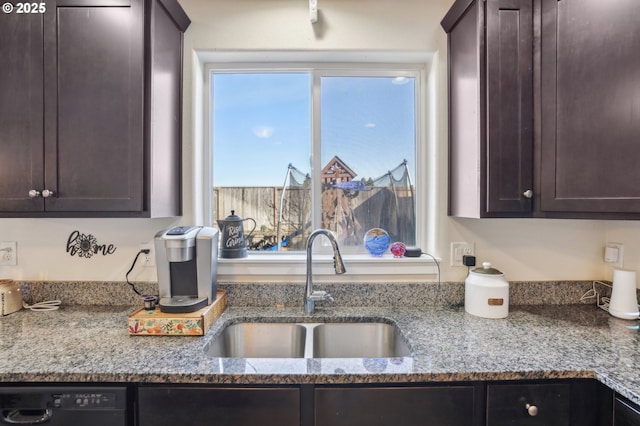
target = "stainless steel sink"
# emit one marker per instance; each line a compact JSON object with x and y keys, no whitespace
{"x":259,"y":340}
{"x":309,"y":340}
{"x":358,"y":340}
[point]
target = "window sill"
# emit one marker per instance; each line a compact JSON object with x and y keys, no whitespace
{"x":360,"y":268}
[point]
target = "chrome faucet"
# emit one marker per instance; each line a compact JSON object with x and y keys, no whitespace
{"x":311,"y":295}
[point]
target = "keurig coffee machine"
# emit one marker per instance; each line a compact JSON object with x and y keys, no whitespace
{"x":186,"y":258}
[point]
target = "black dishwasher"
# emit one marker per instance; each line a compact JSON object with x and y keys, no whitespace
{"x":64,"y":405}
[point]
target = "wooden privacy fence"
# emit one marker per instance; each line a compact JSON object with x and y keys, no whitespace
{"x":390,"y":209}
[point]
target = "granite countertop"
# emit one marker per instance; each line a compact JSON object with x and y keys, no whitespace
{"x":91,"y":343}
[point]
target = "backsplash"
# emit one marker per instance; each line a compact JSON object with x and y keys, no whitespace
{"x":291,"y":294}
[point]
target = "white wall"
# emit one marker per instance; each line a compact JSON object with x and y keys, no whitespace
{"x":627,"y":233}
{"x":42,"y":253}
{"x":524,"y":249}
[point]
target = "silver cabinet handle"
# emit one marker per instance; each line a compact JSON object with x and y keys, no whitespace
{"x":46,"y":193}
{"x":532,"y":410}
{"x":33,"y":193}
{"x":528,"y":193}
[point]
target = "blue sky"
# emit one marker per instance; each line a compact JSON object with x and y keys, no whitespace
{"x":262,"y":123}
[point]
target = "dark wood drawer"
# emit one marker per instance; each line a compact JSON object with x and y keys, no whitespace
{"x":531,"y":404}
{"x":406,"y":406}
{"x":193,"y":406}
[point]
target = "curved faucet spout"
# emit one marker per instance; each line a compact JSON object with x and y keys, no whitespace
{"x":311,"y":295}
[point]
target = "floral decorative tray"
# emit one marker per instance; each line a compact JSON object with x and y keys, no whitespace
{"x":143,"y":322}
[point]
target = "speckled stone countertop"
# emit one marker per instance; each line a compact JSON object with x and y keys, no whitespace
{"x":81,"y":343}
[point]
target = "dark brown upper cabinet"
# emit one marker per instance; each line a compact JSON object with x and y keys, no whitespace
{"x":544,"y":116}
{"x":590,"y":92}
{"x":90,"y":110}
{"x":490,"y":108}
{"x":21,"y":110}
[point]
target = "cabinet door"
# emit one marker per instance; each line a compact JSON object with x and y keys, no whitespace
{"x":94,"y":91}
{"x":590,"y":100}
{"x":201,"y":406}
{"x":626,"y":413}
{"x":509,"y":147}
{"x":20,"y":111}
{"x":165,"y":109}
{"x":410,"y":406}
{"x":530,"y":404}
{"x":490,"y":108}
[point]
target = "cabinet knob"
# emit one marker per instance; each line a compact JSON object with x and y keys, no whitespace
{"x":33,"y":193}
{"x":528,"y":193}
{"x":46,"y":193}
{"x":532,"y":410}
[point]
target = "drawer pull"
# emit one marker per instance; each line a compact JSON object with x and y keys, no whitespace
{"x":532,"y":410}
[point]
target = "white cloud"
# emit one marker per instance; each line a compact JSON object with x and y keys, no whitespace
{"x":263,"y":132}
{"x":370,"y":125}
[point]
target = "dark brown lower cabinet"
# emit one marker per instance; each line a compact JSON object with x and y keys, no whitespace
{"x":579,"y":402}
{"x":540,"y":404}
{"x":561,"y":403}
{"x":394,"y":406}
{"x":626,"y":413}
{"x":219,"y":406}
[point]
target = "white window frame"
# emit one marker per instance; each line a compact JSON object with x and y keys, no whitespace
{"x":291,"y":266}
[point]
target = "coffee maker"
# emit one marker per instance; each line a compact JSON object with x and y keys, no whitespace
{"x":186,"y":258}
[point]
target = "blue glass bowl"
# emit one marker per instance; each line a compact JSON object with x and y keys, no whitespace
{"x":376,"y":241}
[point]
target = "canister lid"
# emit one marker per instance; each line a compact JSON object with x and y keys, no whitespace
{"x":486,"y":269}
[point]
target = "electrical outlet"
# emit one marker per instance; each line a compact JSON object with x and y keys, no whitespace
{"x":614,"y":254}
{"x":8,"y":253}
{"x":150,"y":258}
{"x":461,"y":249}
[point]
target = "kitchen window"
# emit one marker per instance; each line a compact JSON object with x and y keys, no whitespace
{"x":296,"y":148}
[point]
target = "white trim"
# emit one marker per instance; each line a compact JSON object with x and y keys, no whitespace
{"x":292,"y":267}
{"x":314,"y":56}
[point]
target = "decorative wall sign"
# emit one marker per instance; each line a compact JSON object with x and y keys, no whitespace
{"x":86,"y":245}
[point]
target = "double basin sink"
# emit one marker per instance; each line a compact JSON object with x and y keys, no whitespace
{"x":309,"y":340}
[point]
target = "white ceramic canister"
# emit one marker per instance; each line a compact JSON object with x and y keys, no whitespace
{"x":486,"y":292}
